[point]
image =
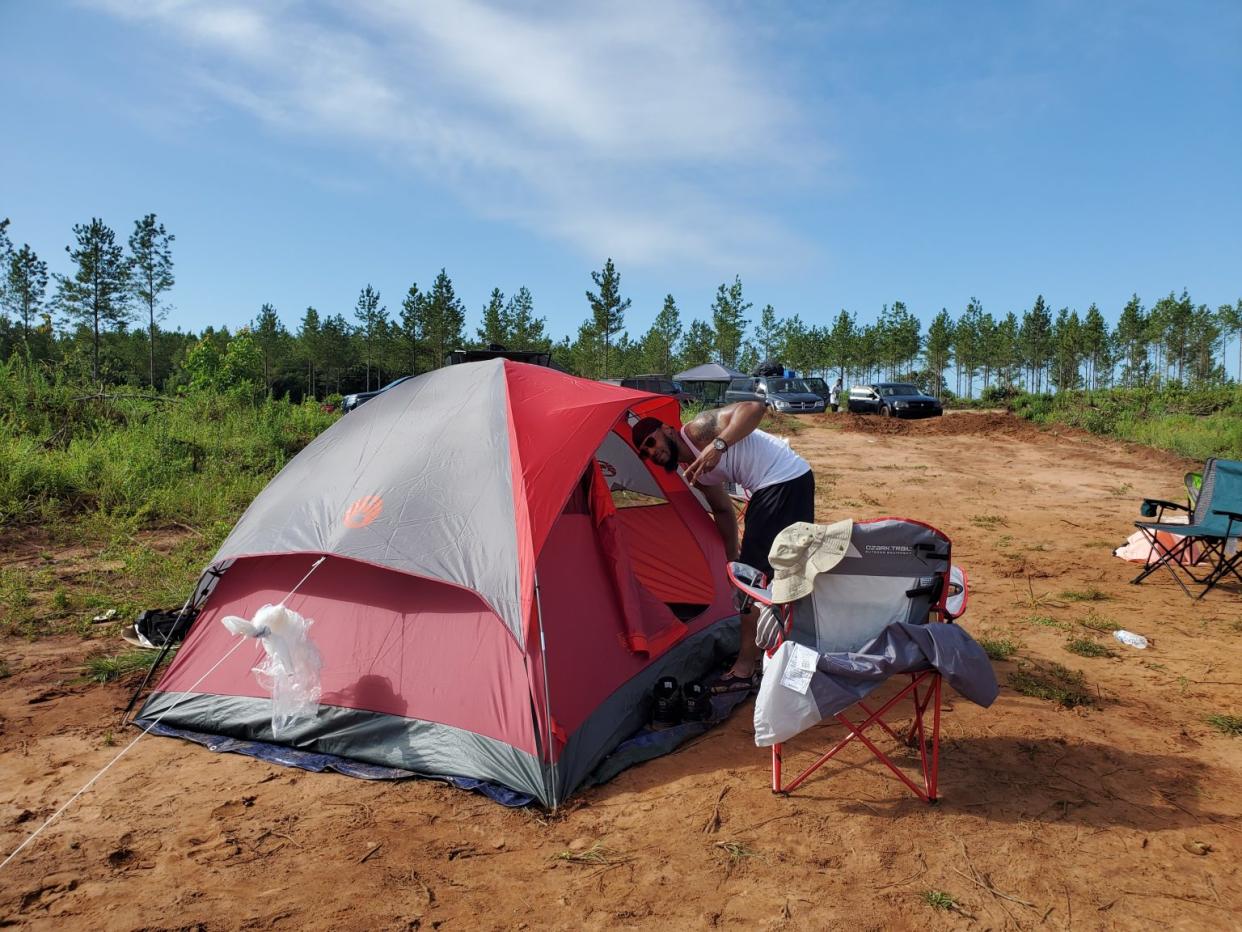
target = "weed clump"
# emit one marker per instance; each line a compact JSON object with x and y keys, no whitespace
{"x":1053,"y":683}
{"x":105,"y":668}
{"x":998,"y":648}
{"x":1227,"y":724}
{"x":1085,"y":647}
{"x":1090,"y":594}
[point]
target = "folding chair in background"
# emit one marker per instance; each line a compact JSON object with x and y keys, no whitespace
{"x":883,"y":610}
{"x":1208,"y":542}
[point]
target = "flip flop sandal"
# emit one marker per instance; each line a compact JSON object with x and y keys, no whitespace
{"x":731,"y":683}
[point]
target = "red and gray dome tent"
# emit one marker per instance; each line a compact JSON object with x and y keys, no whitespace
{"x":486,"y":610}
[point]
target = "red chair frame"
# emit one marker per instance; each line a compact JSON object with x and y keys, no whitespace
{"x":924,"y":690}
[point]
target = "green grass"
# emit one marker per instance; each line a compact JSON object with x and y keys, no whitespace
{"x":1046,"y":621}
{"x":1053,"y":683}
{"x":105,"y":668}
{"x":1090,"y":594}
{"x":998,"y":648}
{"x":1085,"y":647}
{"x":938,"y":899}
{"x":143,"y":490}
{"x":192,"y":460}
{"x":990,"y":522}
{"x":1196,"y":423}
{"x":1097,"y":622}
{"x":1227,"y":724}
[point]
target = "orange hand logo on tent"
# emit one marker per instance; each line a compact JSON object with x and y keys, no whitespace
{"x":364,"y":511}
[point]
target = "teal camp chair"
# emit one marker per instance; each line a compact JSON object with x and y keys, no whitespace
{"x":1215,"y":520}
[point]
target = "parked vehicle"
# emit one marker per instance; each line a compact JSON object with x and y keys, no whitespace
{"x":790,"y":396}
{"x":496,"y":351}
{"x":893,"y":399}
{"x":657,"y":384}
{"x":350,"y":402}
{"x":818,"y":386}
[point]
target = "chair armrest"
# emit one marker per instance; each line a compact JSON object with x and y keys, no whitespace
{"x":1163,"y":504}
{"x":749,"y":582}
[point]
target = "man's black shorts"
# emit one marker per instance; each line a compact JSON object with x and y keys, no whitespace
{"x":770,"y":511}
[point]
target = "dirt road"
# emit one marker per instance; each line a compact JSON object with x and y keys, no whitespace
{"x":1120,"y":814}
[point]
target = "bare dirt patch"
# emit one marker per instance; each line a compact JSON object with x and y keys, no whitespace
{"x":1122,"y":812}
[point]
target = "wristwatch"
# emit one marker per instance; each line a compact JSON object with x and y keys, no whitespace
{"x":720,"y":444}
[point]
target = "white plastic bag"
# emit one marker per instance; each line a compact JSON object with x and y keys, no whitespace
{"x":290,"y":666}
{"x":782,"y":711}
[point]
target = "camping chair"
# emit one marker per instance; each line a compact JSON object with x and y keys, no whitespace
{"x":894,"y":571}
{"x":1207,"y":540}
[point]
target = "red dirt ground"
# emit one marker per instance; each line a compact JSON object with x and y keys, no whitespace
{"x":1121,"y":815}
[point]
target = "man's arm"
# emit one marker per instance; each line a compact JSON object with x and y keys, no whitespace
{"x":724,"y":516}
{"x":730,"y":423}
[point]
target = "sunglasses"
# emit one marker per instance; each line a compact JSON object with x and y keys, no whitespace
{"x":645,"y":448}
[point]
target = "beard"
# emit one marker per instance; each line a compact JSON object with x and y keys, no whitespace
{"x":671,"y":465}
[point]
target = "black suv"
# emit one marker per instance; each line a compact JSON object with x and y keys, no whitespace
{"x":351,"y":402}
{"x":789,"y":396}
{"x":893,"y":399}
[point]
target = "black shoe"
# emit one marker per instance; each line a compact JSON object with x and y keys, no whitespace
{"x":698,"y":702}
{"x":669,"y":705}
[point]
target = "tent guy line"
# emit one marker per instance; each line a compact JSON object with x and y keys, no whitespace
{"x":129,"y":747}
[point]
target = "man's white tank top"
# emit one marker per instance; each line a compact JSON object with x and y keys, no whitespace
{"x":755,"y":462}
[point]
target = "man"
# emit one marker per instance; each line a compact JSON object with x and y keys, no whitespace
{"x":725,"y":445}
{"x":834,"y":396}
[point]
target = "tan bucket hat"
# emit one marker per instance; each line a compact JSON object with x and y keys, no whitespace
{"x":801,"y":552}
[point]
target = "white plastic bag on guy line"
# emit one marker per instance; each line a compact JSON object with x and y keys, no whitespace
{"x":290,"y":666}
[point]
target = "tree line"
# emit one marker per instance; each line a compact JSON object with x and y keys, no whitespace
{"x":104,"y":319}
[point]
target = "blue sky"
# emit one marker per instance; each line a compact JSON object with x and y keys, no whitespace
{"x":834,"y":155}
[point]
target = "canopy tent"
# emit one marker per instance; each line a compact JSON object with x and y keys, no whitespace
{"x":708,"y":383}
{"x":504,"y":581}
{"x":709,"y":372}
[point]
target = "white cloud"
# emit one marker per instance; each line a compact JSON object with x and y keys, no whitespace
{"x":644,"y":130}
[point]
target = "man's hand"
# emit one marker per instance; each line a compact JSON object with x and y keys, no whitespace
{"x":706,"y":461}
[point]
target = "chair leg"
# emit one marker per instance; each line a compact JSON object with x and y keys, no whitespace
{"x":921,"y":700}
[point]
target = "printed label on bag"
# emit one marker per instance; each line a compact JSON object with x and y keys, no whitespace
{"x":799,"y":668}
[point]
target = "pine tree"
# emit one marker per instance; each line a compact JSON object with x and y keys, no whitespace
{"x":1035,"y":340}
{"x":1008,"y":360}
{"x":495,"y":330}
{"x":24,"y":286}
{"x":337,"y":347}
{"x":526,"y":331}
{"x":150,"y":252}
{"x":97,"y":294}
{"x":1095,"y":344}
{"x":1130,"y":341}
{"x":1230,"y":318}
{"x":444,"y":319}
{"x":659,"y":344}
{"x":607,"y":307}
{"x":6,"y":253}
{"x":842,"y":344}
{"x":269,"y":336}
{"x":584,"y":354}
{"x":938,"y":349}
{"x":768,"y":333}
{"x":699,"y":345}
{"x":310,"y":348}
{"x":372,"y":319}
{"x":729,"y":320}
{"x":413,"y":329}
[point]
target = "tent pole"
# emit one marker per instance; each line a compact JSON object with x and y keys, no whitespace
{"x":547,"y":702}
